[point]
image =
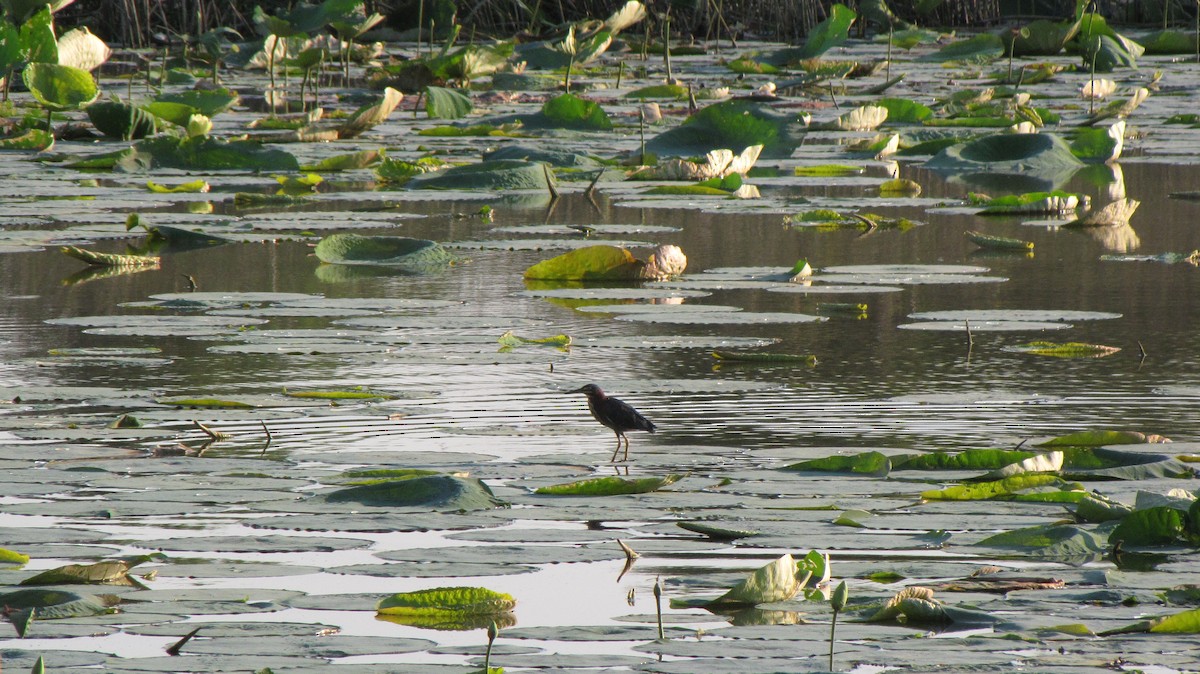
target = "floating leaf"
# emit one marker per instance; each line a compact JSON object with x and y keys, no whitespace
{"x":864,"y":118}
{"x":1099,"y":145}
{"x":52,"y":604}
{"x":114,"y":572}
{"x":109,"y":259}
{"x":1050,"y":462}
{"x":1052,"y":540}
{"x":353,"y":394}
{"x":569,"y":111}
{"x":592,"y":263}
{"x":510,"y":340}
{"x":33,"y":139}
{"x":207,"y":102}
{"x":731,"y":124}
{"x":1066,"y":349}
{"x":828,"y":171}
{"x":903,"y":110}
{"x":866,"y":463}
{"x":204,"y":153}
{"x":998,"y":489}
{"x":487,"y":175}
{"x":981,"y":48}
{"x":10,"y":557}
{"x":443,"y":492}
{"x":346,"y":162}
{"x":764,"y":357}
{"x":193,"y":187}
{"x":453,"y":608}
{"x":999,"y":242}
{"x":717,"y":532}
{"x":1029,"y":203}
{"x":669,"y":91}
{"x":609,"y":486}
{"x":1098,"y":438}
{"x":386,"y":251}
{"x":971,"y":459}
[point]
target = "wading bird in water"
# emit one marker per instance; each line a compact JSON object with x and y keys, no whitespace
{"x":614,"y":414}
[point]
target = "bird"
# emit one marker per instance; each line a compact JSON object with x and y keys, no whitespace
{"x":615,"y":414}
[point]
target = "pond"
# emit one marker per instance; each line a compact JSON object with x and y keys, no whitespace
{"x":250,"y":548}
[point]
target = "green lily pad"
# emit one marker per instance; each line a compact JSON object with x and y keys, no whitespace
{"x":982,"y":48}
{"x":386,"y":251}
{"x":444,"y":492}
{"x":443,"y":103}
{"x":487,"y":175}
{"x":60,"y":88}
{"x":204,"y":153}
{"x":732,"y":124}
{"x":592,"y":263}
{"x":121,"y":121}
{"x":867,"y":463}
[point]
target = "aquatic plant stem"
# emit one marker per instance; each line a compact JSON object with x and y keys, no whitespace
{"x":658,"y":607}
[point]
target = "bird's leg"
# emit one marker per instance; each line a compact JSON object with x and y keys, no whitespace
{"x":617,"y":450}
{"x":626,"y":448}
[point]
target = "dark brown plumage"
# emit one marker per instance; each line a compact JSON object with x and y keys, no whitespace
{"x":614,"y":414}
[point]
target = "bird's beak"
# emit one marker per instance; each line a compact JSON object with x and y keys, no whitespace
{"x":578,"y":390}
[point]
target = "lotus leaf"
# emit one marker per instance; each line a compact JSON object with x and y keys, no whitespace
{"x":903,"y":110}
{"x":1067,"y":349}
{"x":998,"y":489}
{"x":33,"y":139}
{"x":389,"y":251}
{"x":52,"y":604}
{"x":1099,"y":145}
{"x":347,"y":162}
{"x":10,"y":557}
{"x":868,"y":463}
{"x":1170,"y":42}
{"x":609,"y":486}
{"x":1039,"y":156}
{"x":1030,"y":203}
{"x":831,"y":32}
{"x":487,"y":175}
{"x":544,"y":155}
{"x":208,"y":102}
{"x":999,"y":242}
{"x":443,"y":103}
{"x":731,"y":124}
{"x":202,"y":153}
{"x":38,"y":44}
{"x":1154,"y":526}
{"x":971,"y":459}
{"x":569,"y":111}
{"x":864,"y":118}
{"x":1043,"y":38}
{"x":775,"y":582}
{"x":121,"y":120}
{"x":441,"y":492}
{"x":80,"y":49}
{"x":1098,"y":438}
{"x":59,"y":87}
{"x":981,"y":48}
{"x":764,"y":357}
{"x":608,"y":263}
{"x":464,"y":600}
{"x":370,"y":115}
{"x":668,"y":91}
{"x":1052,"y":540}
{"x":114,"y":572}
{"x":717,"y":532}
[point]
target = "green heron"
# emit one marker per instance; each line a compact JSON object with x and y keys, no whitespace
{"x":615,"y":414}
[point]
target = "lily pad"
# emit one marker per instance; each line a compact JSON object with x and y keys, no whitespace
{"x":732,"y":124}
{"x":444,"y":492}
{"x":609,"y":486}
{"x":487,"y":175}
{"x":387,"y":251}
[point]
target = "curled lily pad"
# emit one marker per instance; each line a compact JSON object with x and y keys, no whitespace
{"x":487,"y":175}
{"x":1038,"y":155}
{"x":449,"y":608}
{"x":732,"y":124}
{"x":778,"y":581}
{"x":387,"y":251}
{"x":59,"y":87}
{"x":444,"y":492}
{"x":121,"y":120}
{"x":609,"y":263}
